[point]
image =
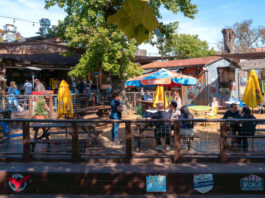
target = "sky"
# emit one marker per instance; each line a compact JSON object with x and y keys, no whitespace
{"x":213,"y":16}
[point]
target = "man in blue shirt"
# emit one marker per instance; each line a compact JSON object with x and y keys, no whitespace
{"x":115,"y":115}
{"x":27,"y":87}
{"x":147,"y":96}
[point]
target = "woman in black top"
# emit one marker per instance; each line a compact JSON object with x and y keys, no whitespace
{"x":247,"y":128}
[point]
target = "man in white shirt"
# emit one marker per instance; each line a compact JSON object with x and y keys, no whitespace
{"x":39,"y":86}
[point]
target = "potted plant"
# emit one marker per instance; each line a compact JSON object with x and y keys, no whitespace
{"x":39,"y":110}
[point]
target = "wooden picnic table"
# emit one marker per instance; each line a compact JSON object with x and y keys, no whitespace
{"x":87,"y":128}
{"x":99,"y":110}
{"x":147,"y":103}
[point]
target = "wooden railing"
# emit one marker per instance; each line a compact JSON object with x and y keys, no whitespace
{"x":222,"y":154}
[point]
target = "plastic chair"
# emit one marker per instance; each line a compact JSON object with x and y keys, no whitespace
{"x":213,"y":116}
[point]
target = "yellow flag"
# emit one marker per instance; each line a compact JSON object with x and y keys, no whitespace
{"x":252,"y":96}
{"x":160,"y":96}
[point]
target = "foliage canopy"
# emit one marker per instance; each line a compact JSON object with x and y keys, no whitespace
{"x":85,"y":26}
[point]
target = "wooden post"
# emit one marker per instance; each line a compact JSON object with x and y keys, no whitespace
{"x":100,"y":78}
{"x":30,"y":107}
{"x":134,"y":99}
{"x":128,"y":138}
{"x":223,"y":143}
{"x":177,"y":157}
{"x":94,"y":99}
{"x":26,"y":142}
{"x":75,"y":147}
{"x":3,"y":101}
{"x":51,"y":106}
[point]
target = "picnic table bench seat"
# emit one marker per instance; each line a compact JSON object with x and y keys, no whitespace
{"x":99,"y":110}
{"x":87,"y":128}
{"x":251,"y":137}
{"x":142,"y":134}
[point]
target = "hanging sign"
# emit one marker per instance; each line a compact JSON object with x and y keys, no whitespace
{"x":156,"y":183}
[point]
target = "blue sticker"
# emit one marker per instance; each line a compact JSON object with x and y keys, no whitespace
{"x":203,"y":183}
{"x":156,"y":183}
{"x":252,"y":183}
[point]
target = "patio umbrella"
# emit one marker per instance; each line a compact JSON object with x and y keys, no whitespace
{"x":160,"y":96}
{"x":161,"y":77}
{"x":252,"y":95}
{"x":65,"y":105}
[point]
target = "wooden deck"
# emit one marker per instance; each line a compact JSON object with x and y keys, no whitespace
{"x":124,"y":179}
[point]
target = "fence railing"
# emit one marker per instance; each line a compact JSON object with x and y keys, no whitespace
{"x":82,"y":140}
{"x":23,"y":105}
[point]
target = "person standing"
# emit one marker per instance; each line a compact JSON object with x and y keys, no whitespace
{"x":81,"y":87}
{"x":176,"y":97}
{"x":27,"y":87}
{"x":115,"y":115}
{"x":39,"y":86}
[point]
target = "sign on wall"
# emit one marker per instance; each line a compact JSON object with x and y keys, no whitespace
{"x":203,"y":183}
{"x":252,"y":183}
{"x":156,"y":183}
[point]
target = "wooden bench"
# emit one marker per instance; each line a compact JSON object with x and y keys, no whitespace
{"x":87,"y":128}
{"x":251,"y":137}
{"x":62,"y":143}
{"x":142,"y":135}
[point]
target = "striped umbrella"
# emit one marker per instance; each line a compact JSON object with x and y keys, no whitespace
{"x":161,"y":77}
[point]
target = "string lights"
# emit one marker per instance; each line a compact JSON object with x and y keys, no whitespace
{"x":20,"y":19}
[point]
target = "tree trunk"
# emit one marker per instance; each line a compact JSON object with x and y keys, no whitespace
{"x":118,"y":85}
{"x":229,"y":38}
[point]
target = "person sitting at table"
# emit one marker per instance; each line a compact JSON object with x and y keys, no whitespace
{"x":247,"y":128}
{"x":147,"y":96}
{"x":233,"y":113}
{"x":186,"y":127}
{"x":162,"y":128}
{"x":174,"y":112}
{"x":115,"y":115}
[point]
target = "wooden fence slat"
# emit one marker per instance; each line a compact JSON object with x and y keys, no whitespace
{"x":51,"y":106}
{"x":26,"y":142}
{"x":75,"y":146}
{"x":223,"y":144}
{"x":30,"y":107}
{"x":128,"y":138}
{"x":177,"y":157}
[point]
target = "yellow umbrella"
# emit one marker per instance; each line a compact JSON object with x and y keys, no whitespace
{"x":65,"y":105}
{"x":252,"y":96}
{"x":160,"y":96}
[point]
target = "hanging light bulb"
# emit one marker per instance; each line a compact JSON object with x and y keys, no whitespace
{"x":33,"y":24}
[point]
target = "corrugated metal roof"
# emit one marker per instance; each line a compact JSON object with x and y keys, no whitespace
{"x":183,"y":63}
